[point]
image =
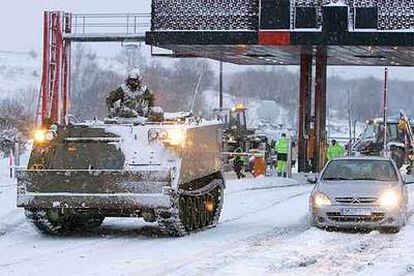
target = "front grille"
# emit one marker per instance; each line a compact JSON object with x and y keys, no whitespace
{"x":337,"y":217}
{"x":356,"y":200}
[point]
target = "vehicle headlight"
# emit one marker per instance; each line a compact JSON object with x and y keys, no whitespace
{"x":389,"y":199}
{"x":175,"y":137}
{"x":40,"y":136}
{"x":321,"y":199}
{"x":172,"y":137}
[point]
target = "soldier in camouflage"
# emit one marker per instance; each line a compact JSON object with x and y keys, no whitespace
{"x":131,"y":99}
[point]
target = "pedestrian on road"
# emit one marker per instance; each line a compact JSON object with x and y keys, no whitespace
{"x":238,"y":164}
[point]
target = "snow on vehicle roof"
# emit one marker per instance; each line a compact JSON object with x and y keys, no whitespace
{"x":128,"y":122}
{"x":372,"y":158}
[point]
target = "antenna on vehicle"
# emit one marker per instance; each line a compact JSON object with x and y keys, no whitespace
{"x":195,"y":93}
{"x":385,"y":107}
{"x":197,"y":88}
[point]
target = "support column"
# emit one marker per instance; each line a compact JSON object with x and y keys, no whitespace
{"x":305,"y":108}
{"x":221,"y":86}
{"x":320,"y":108}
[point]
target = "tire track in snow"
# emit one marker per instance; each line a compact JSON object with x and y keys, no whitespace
{"x":94,"y":240}
{"x":225,"y":254}
{"x":339,"y":252}
{"x":278,"y":202}
{"x":216,"y":257}
{"x":269,"y":188}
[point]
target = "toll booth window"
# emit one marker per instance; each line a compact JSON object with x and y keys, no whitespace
{"x":393,"y":132}
{"x":369,"y":132}
{"x":238,"y":119}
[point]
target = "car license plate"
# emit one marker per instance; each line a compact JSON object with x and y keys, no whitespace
{"x":356,"y":212}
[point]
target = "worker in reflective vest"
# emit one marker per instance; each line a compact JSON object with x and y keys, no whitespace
{"x":281,"y":148}
{"x":335,"y":150}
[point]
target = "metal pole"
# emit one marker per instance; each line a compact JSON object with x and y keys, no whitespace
{"x":44,"y":92}
{"x":385,"y":107}
{"x":289,"y":157}
{"x":221,"y":86}
{"x":11,"y":159}
{"x":350,"y":125}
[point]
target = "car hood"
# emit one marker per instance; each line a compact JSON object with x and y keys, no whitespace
{"x":361,"y":188}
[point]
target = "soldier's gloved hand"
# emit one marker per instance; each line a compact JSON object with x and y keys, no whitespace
{"x":117,"y":104}
{"x":129,"y":111}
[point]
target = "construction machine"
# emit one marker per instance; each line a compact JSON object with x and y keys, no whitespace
{"x":237,"y":135}
{"x":399,"y":140}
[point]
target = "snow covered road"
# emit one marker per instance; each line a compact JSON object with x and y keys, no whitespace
{"x":263,"y":230}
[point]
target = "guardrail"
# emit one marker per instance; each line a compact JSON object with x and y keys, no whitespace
{"x":109,"y":26}
{"x":128,"y":23}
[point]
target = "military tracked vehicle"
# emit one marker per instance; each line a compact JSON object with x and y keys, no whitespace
{"x":168,"y":172}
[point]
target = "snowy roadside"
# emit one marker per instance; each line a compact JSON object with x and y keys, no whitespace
{"x":10,"y":217}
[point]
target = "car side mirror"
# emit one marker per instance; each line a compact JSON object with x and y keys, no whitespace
{"x":312,"y":180}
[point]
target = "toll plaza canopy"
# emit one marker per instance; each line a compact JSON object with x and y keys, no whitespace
{"x":276,"y":32}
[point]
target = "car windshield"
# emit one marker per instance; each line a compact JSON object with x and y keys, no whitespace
{"x":375,"y":170}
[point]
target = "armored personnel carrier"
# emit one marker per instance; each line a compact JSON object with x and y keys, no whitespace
{"x":167,"y":172}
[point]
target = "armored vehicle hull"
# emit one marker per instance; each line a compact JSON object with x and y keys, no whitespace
{"x":166,"y":173}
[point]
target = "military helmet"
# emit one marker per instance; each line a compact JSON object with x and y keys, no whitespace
{"x":134,"y":74}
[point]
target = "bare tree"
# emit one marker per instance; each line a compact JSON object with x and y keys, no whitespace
{"x":90,"y":85}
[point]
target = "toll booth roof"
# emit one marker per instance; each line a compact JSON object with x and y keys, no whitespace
{"x":276,"y":32}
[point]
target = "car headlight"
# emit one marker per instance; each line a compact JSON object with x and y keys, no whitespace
{"x":320,"y":199}
{"x":389,"y":199}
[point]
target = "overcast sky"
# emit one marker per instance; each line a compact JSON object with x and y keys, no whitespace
{"x":21,"y":20}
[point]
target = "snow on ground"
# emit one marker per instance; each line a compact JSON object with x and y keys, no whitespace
{"x":263,"y":230}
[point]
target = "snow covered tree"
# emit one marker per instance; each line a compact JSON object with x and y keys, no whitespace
{"x":15,"y":125}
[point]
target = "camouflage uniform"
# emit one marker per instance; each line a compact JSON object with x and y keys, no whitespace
{"x":126,"y":103}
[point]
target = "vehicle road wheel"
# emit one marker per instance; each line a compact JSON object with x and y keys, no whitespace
{"x":391,"y":230}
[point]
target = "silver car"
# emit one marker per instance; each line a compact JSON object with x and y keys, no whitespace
{"x":359,"y":192}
